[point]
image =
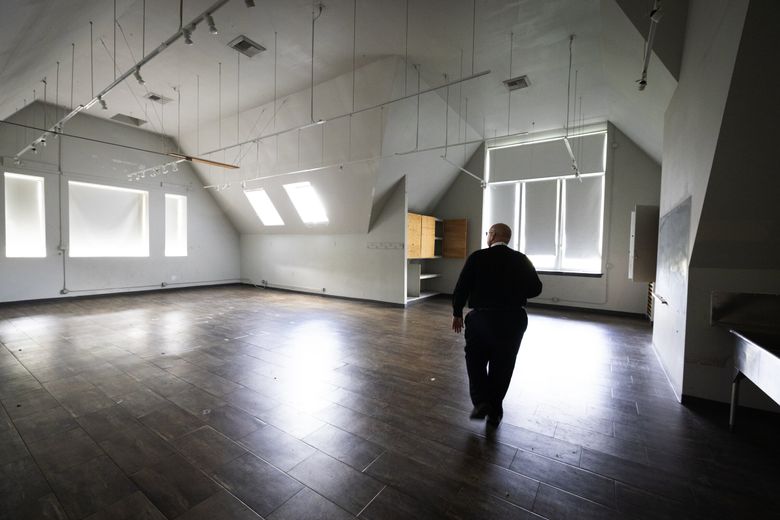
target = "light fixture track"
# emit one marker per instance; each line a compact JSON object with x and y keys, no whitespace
{"x":129,"y":72}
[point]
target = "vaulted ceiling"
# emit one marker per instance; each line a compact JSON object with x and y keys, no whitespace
{"x":372,"y":48}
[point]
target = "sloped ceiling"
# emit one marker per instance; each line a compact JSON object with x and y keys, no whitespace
{"x":398,"y":47}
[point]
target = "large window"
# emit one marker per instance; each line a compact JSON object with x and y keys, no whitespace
{"x":557,"y":218}
{"x":25,"y":222}
{"x":107,"y":221}
{"x":175,"y":225}
{"x":556,"y":222}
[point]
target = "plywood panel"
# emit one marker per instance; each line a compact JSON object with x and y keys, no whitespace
{"x":413,"y":235}
{"x":455,"y":235}
{"x":427,"y":238}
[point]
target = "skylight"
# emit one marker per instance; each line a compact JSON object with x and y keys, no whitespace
{"x":264,"y":208}
{"x":307,"y":203}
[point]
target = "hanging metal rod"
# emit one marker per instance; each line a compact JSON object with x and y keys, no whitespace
{"x":125,"y":146}
{"x":464,"y":170}
{"x":99,"y":97}
{"x":372,"y":107}
{"x":655,"y":17}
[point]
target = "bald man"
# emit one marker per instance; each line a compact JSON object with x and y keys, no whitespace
{"x":497,"y":283}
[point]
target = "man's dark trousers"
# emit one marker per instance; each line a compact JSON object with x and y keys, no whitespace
{"x":492,"y":342}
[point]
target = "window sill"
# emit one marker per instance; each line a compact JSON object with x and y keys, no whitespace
{"x":570,"y":273}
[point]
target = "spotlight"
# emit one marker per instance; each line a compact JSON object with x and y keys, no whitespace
{"x":174,"y":167}
{"x":43,"y":142}
{"x":187,"y":35}
{"x":17,"y":161}
{"x":249,"y":3}
{"x":102,"y":102}
{"x":138,"y":78}
{"x":34,"y":149}
{"x":165,"y":169}
{"x":211,"y":24}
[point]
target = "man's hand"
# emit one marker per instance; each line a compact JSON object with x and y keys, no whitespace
{"x":457,"y":324}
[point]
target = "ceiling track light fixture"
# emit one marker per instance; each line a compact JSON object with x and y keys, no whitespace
{"x":137,"y":76}
{"x":187,"y":32}
{"x":121,"y":77}
{"x":212,"y":26}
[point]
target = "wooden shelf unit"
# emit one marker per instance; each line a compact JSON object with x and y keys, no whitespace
{"x":429,"y":238}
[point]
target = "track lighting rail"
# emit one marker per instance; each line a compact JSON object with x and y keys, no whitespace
{"x":98,"y":98}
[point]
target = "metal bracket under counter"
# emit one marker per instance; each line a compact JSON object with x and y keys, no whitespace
{"x":756,"y":356}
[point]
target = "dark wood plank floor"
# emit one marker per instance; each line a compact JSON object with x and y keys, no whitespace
{"x":237,"y":402}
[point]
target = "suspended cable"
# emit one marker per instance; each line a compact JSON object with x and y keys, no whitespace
{"x":474,"y":35}
{"x":354,"y":49}
{"x":57,"y":92}
{"x":72,"y":71}
{"x":197,"y":114}
{"x":275,"y":57}
{"x":238,"y":97}
{"x":91,"y":60}
{"x":568,"y":85}
{"x":313,"y":20}
{"x":114,"y":40}
{"x":219,"y":102}
{"x":143,"y":29}
{"x":509,"y":92}
{"x":406,"y":49}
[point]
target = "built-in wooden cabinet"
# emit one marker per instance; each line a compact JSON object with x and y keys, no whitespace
{"x":429,"y":238}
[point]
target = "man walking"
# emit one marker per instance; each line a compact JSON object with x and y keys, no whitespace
{"x":496,"y":282}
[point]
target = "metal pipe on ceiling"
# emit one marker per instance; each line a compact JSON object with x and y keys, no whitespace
{"x":146,"y":59}
{"x":655,"y":17}
{"x":360,"y":110}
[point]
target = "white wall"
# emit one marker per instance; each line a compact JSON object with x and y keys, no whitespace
{"x":367,"y":266}
{"x":632,"y":178}
{"x":692,"y":125}
{"x":213,"y":248}
{"x":737,"y":241}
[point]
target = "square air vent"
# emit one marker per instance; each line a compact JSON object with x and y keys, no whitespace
{"x":246,"y":46}
{"x":158,"y":98}
{"x":517,"y":82}
{"x":128,"y":120}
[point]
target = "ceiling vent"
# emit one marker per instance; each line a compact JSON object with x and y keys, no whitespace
{"x":246,"y":46}
{"x":517,"y":82}
{"x":128,"y":120}
{"x":158,"y":98}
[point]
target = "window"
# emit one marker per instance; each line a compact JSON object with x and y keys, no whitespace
{"x":25,"y":222}
{"x":175,"y":225}
{"x":107,"y":221}
{"x":557,"y":219}
{"x":264,"y":208}
{"x":307,"y":203}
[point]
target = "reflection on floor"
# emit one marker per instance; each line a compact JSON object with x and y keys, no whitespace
{"x":236,"y":402}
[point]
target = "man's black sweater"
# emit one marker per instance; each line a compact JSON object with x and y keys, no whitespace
{"x":497,"y":278}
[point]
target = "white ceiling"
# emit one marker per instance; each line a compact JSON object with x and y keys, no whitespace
{"x":607,"y":54}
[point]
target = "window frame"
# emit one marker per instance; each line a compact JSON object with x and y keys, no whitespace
{"x":520,"y":219}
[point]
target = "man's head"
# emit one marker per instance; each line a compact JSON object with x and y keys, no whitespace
{"x":499,"y":233}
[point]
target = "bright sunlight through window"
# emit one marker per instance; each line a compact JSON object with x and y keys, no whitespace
{"x":264,"y":208}
{"x":307,"y":203}
{"x":25,"y":223}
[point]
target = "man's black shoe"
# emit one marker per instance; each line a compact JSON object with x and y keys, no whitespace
{"x":480,"y":411}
